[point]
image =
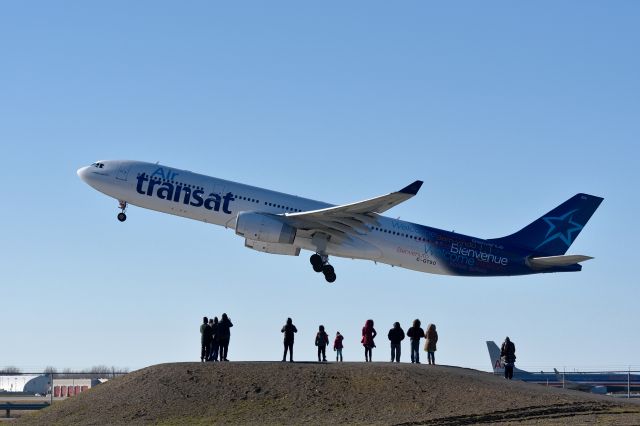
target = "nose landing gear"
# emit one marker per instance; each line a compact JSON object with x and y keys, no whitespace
{"x":320,"y":263}
{"x":121,"y":216}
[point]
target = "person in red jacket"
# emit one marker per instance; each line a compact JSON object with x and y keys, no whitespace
{"x":368,"y":334}
{"x":322,"y":341}
{"x":337,"y":346}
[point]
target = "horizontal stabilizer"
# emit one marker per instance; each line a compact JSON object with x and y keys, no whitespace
{"x":552,"y":261}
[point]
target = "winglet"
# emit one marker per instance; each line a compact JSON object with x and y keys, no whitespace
{"x":412,"y":189}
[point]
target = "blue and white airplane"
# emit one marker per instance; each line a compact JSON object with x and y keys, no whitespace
{"x":277,"y":223}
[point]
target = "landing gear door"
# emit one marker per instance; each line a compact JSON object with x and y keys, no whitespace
{"x":123,"y":172}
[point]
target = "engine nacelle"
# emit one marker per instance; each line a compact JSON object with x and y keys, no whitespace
{"x":273,"y":248}
{"x":265,"y":228}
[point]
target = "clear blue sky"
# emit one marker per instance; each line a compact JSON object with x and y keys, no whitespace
{"x":504,"y":109}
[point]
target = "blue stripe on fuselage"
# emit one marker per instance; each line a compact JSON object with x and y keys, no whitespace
{"x":469,"y":256}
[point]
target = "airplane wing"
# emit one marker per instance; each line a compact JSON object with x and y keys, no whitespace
{"x":337,"y":221}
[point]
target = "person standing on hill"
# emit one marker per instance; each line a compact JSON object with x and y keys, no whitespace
{"x":396,"y":335}
{"x":215,"y":344}
{"x":205,"y":339}
{"x":368,"y":334}
{"x":289,"y":330}
{"x":430,"y":344}
{"x":508,"y":356}
{"x":337,"y":346}
{"x":224,"y":333}
{"x":322,"y":341}
{"x":415,"y":333}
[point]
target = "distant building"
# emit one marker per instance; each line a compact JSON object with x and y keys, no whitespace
{"x":40,"y":384}
{"x":24,"y":383}
{"x":71,"y":387}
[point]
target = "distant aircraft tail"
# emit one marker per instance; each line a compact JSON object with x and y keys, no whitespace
{"x":496,"y":361}
{"x":553,"y":233}
{"x":494,"y":355}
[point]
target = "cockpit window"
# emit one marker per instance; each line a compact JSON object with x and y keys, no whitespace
{"x":98,"y":165}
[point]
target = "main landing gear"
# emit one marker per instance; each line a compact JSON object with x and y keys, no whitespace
{"x":121,"y":216}
{"x":321,"y":264}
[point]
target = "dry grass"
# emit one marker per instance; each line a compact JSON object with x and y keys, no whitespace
{"x":351,"y":393}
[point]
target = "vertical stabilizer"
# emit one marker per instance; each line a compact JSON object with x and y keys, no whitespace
{"x":494,"y":355}
{"x":553,"y":233}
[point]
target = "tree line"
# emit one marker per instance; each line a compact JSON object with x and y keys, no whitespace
{"x":95,"y":372}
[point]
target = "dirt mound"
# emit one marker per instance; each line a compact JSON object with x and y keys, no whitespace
{"x":286,"y":393}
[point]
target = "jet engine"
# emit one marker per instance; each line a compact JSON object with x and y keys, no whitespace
{"x":265,"y":228}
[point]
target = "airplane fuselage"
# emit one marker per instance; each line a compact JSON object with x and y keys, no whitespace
{"x":591,"y":382}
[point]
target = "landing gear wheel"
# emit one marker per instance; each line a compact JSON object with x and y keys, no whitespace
{"x":329,"y":273}
{"x":316,"y":262}
{"x":123,"y":206}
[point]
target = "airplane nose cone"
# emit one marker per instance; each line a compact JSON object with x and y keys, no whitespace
{"x":83,"y":173}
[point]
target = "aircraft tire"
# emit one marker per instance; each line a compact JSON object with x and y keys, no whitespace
{"x":122,"y":217}
{"x":328,"y":270}
{"x":330,"y":278}
{"x":316,"y":262}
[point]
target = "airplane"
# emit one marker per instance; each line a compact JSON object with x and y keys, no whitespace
{"x":278,"y":223}
{"x":599,"y":383}
{"x":579,"y":385}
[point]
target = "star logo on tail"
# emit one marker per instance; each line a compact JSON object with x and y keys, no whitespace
{"x":562,"y":228}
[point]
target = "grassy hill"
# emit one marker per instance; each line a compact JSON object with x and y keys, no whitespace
{"x":364,"y":393}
